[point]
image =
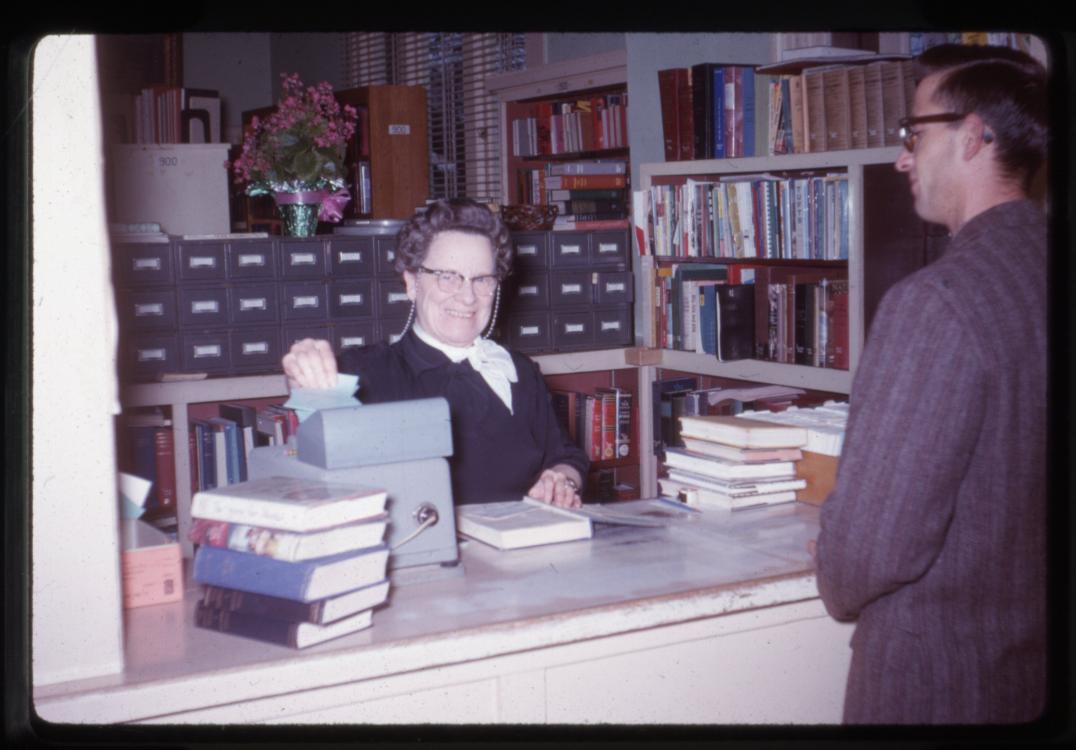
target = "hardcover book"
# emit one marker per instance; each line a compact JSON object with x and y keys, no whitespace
{"x":289,"y":545}
{"x":288,"y":503}
{"x":719,"y":468}
{"x":292,"y":634}
{"x":737,"y":488}
{"x":743,"y":432}
{"x":701,"y":497}
{"x":735,"y":321}
{"x":512,"y":524}
{"x":304,"y":581}
{"x":320,"y":612}
{"x":745,"y":455}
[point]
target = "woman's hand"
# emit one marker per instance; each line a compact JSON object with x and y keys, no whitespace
{"x":558,"y":485}
{"x":310,"y":363}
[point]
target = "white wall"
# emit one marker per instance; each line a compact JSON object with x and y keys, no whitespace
{"x":77,"y":610}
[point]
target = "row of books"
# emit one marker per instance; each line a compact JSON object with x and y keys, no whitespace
{"x":169,"y":114}
{"x":590,"y":124}
{"x":803,"y":217}
{"x":733,"y":462}
{"x":787,"y":314}
{"x":599,"y":422}
{"x":219,"y":445}
{"x":294,"y":561}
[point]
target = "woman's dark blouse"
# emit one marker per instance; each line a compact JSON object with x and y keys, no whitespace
{"x":497,"y":455}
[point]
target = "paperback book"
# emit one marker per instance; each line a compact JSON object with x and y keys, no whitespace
{"x":743,"y":432}
{"x":511,"y":524}
{"x":289,"y":545}
{"x":701,"y":497}
{"x":720,"y":468}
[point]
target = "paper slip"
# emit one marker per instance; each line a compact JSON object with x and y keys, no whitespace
{"x":306,"y":401}
{"x":133,"y":493}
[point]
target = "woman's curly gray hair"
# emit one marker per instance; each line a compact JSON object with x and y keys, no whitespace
{"x":456,"y":215}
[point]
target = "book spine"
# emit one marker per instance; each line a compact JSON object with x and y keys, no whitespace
{"x":249,"y":626}
{"x":623,"y":438}
{"x":163,"y":441}
{"x":260,"y":605}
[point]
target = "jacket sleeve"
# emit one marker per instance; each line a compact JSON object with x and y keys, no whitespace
{"x":546,"y":428}
{"x":916,"y":409}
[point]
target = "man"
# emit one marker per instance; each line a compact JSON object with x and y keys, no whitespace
{"x":934,"y":538}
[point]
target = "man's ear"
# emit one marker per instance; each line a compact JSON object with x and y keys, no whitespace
{"x":975,"y":136}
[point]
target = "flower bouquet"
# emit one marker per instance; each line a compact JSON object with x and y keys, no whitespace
{"x":296,"y":154}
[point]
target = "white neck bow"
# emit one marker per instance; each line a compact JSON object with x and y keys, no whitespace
{"x":489,"y":359}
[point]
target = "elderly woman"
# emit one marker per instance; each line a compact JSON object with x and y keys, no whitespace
{"x":453,"y":256}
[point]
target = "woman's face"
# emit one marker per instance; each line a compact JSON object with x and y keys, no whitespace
{"x":459,"y":317}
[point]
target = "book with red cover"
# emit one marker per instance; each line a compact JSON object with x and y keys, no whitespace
{"x":837,"y":321}
{"x":585,"y":181}
{"x":669,"y":92}
{"x":164,"y":444}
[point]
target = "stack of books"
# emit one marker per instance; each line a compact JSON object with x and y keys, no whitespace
{"x":289,"y":560}
{"x":734,"y":462}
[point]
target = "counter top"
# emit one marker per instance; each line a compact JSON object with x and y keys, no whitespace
{"x":501,"y":602}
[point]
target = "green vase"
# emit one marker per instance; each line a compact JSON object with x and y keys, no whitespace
{"x":300,"y":219}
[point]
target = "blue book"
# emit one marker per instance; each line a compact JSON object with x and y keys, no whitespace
{"x":708,"y":318}
{"x":304,"y":581}
{"x":206,"y":454}
{"x":236,"y":455}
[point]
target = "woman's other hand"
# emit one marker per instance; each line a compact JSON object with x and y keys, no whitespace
{"x":310,"y":363}
{"x":558,"y":485}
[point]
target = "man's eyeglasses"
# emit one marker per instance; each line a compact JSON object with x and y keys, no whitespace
{"x":909,"y":136}
{"x":451,"y":282}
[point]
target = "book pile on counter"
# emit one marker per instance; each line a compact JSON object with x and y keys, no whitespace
{"x":289,"y":560}
{"x":734,"y":462}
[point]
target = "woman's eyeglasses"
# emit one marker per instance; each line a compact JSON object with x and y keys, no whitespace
{"x":909,"y":136}
{"x":451,"y":282}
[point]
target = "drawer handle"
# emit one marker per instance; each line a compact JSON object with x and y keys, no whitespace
{"x":254,"y":303}
{"x":350,"y":257}
{"x":610,"y":325}
{"x":151,"y":355}
{"x":205,"y":306}
{"x":531,"y":291}
{"x":574,"y":328}
{"x":147,"y":264}
{"x":397,"y":297}
{"x":608,"y":247}
{"x":350,"y":299}
{"x":255,"y":347}
{"x":390,"y":255}
{"x":153,"y":308}
{"x":209,"y":350}
{"x":303,"y":259}
{"x":298,"y":302}
{"x":202,"y":261}
{"x":615,"y":286}
{"x":251,"y":260}
{"x":571,"y":249}
{"x":353,"y":341}
{"x":571,"y":288}
{"x":530,"y":330}
{"x":526,"y":250}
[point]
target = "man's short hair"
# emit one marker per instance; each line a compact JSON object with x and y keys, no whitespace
{"x":1006,"y":88}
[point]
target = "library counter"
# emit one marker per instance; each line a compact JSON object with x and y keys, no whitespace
{"x":710,"y":619}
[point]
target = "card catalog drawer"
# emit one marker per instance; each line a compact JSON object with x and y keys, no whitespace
{"x":305,"y":301}
{"x":573,"y":330}
{"x":391,"y":329}
{"x":354,"y":335}
{"x":613,"y":327}
{"x":141,"y":263}
{"x":298,"y":332}
{"x":303,"y":258}
{"x":205,"y":351}
{"x":571,"y":288}
{"x":201,"y":306}
{"x":570,"y":249}
{"x":610,"y":247}
{"x":254,"y":303}
{"x":148,"y":355}
{"x":614,"y":288}
{"x":252,"y":259}
{"x":530,"y":250}
{"x":145,"y":310}
{"x":351,"y":257}
{"x":392,"y":299}
{"x":351,"y":299}
{"x":529,"y":332}
{"x":385,"y":251}
{"x":200,"y":261}
{"x":255,"y":349}
{"x":528,"y":290}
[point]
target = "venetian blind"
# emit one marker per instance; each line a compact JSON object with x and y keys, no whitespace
{"x":464,"y":121}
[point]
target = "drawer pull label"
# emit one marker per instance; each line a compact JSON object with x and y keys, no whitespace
{"x":608,"y":247}
{"x":201,"y":261}
{"x":205,"y":306}
{"x":150,"y":355}
{"x":571,"y":288}
{"x":615,"y":286}
{"x":397,"y":297}
{"x":350,"y":299}
{"x":351,"y":257}
{"x":209,"y":350}
{"x":254,"y":303}
{"x":298,"y":302}
{"x":527,"y":250}
{"x":528,"y":291}
{"x":574,"y":328}
{"x":530,"y":330}
{"x":353,"y":341}
{"x":571,"y":249}
{"x":303,"y":259}
{"x":250,"y":259}
{"x":147,"y":264}
{"x":255,"y":347}
{"x":152,"y":308}
{"x":610,"y":325}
